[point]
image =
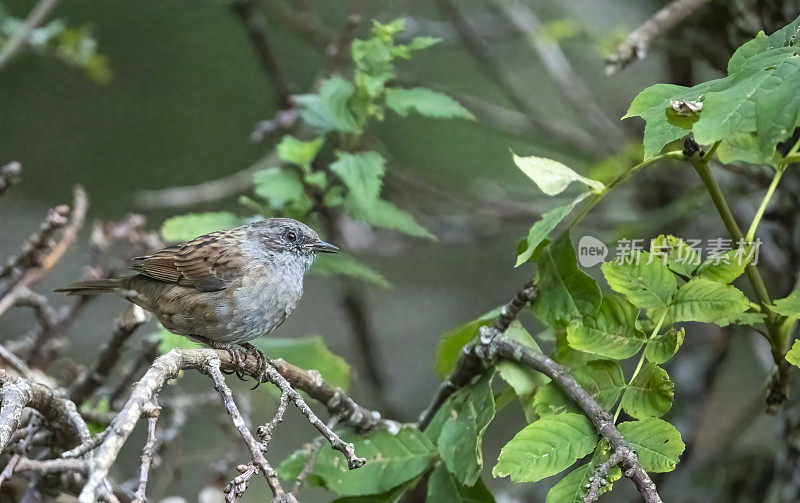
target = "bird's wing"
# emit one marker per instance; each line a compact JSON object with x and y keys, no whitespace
{"x":209,"y":263}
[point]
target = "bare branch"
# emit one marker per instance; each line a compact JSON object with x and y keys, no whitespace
{"x":559,"y":68}
{"x":58,"y":410}
{"x":152,"y":412}
{"x":131,"y":319}
{"x":598,"y":479}
{"x":490,"y":66}
{"x":638,"y":42}
{"x":257,"y":30}
{"x":16,"y":395}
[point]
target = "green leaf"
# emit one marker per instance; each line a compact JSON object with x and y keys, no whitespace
{"x":301,"y":153}
{"x":706,"y":301}
{"x":747,"y":318}
{"x":419,"y":43}
{"x":661,"y":347}
{"x":543,"y":227}
{"x":391,"y":496}
{"x":663,"y":125}
{"x":459,"y":427}
{"x":573,"y":487}
{"x":449,"y":348}
{"x":551,"y":176}
{"x":391,"y":460}
{"x":675,"y":253}
{"x":524,"y":380}
{"x":644,"y":280}
{"x":188,"y":227}
{"x":309,"y":353}
{"x":602,"y":379}
{"x":362,"y":173}
{"x":444,"y":488}
{"x":650,"y":394}
{"x":657,"y":443}
{"x":425,"y":102}
{"x":725,"y":267}
{"x":790,"y":306}
{"x":169,"y":341}
{"x":793,"y":356}
{"x":279,"y":186}
{"x":571,"y":293}
{"x":345,"y":265}
{"x":329,"y":110}
{"x":786,"y":36}
{"x":611,"y":332}
{"x":384,"y":214}
{"x":745,"y":147}
{"x":546,"y":447}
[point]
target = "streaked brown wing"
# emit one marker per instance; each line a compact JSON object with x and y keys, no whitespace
{"x":209,"y":262}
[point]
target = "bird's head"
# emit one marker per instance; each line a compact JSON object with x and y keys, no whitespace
{"x":288,"y":238}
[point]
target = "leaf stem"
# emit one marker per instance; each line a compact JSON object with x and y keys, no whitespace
{"x":641,"y":362}
{"x":751,"y":232}
{"x":753,"y":275}
{"x":622,"y":178}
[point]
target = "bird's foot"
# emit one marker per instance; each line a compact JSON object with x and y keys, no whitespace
{"x":238,"y":355}
{"x":262,"y":362}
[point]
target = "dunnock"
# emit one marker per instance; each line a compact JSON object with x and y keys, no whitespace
{"x":224,"y":288}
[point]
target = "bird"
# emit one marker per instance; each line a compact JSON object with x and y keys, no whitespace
{"x":224,"y":288}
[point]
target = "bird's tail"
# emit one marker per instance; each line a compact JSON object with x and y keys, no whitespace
{"x":92,"y":287}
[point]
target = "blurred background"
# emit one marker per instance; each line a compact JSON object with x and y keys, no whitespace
{"x":130,"y":97}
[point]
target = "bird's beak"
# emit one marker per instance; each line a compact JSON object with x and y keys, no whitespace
{"x":323,"y":247}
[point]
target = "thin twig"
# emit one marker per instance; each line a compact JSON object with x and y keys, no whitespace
{"x":598,"y":479}
{"x":213,"y":370}
{"x":36,"y":16}
{"x":152,"y":411}
{"x":638,"y":42}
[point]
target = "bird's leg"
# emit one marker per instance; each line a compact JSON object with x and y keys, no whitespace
{"x":236,"y":355}
{"x":262,"y":362}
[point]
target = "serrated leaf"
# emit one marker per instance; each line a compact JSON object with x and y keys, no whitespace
{"x":793,"y":355}
{"x":551,"y":176}
{"x":645,"y":281}
{"x":747,"y":318}
{"x":308,"y":353}
{"x":458,"y":430}
{"x":546,"y":447}
{"x":706,"y":301}
{"x":449,"y":349}
{"x":650,"y":394}
{"x":790,"y":306}
{"x":785,"y":37}
{"x":602,"y":379}
{"x":188,"y":227}
{"x":444,"y":488}
{"x":543,"y":227}
{"x":329,"y":110}
{"x":301,"y":153}
{"x":362,"y":173}
{"x":611,"y":332}
{"x":678,"y":255}
{"x":345,"y":265}
{"x":725,"y":267}
{"x":661,"y":347}
{"x":657,"y":443}
{"x":392,"y":459}
{"x":278,"y":186}
{"x":573,"y":487}
{"x":571,"y":293}
{"x":425,"y":102}
{"x":384,"y":214}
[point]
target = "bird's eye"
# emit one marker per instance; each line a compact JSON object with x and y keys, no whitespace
{"x":291,"y":236}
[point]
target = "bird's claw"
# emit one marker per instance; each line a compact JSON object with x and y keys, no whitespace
{"x":261,"y":371}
